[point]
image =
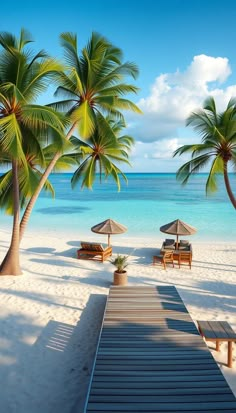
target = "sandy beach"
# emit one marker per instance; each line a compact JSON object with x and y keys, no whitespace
{"x":51,"y":315}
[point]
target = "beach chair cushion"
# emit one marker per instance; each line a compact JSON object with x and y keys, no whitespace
{"x":184,"y":245}
{"x":169,"y":241}
{"x":92,"y":246}
{"x":184,"y":242}
{"x":168,"y":244}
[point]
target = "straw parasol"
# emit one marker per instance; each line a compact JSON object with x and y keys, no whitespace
{"x":109,"y":227}
{"x":177,"y":228}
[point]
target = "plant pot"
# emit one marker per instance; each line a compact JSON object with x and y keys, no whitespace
{"x":120,"y":278}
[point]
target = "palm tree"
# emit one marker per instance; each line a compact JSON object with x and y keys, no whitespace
{"x":34,"y":163}
{"x":101,"y":153}
{"x":23,"y":76}
{"x":218,"y":131}
{"x":94,"y":82}
{"x":92,"y":85}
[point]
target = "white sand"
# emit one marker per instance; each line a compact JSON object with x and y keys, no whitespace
{"x":51,"y":315}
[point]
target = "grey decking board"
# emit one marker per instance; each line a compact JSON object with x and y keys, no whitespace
{"x":207,"y":329}
{"x":146,"y":352}
{"x":140,"y":352}
{"x":167,"y":375}
{"x":169,"y":411}
{"x":170,"y":323}
{"x":165,"y":407}
{"x":174,"y":398}
{"x":123,"y":341}
{"x":155,"y":362}
{"x":139,"y":378}
{"x":220,"y":330}
{"x":159,"y":387}
{"x":182,"y":389}
{"x":145,"y":357}
{"x":146,"y":374}
{"x":228,"y":329}
{"x":173,"y":369}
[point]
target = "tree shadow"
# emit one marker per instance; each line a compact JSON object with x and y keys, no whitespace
{"x":41,"y":250}
{"x":216,"y":264}
{"x":55,"y":262}
{"x":44,"y":375}
{"x":41,"y":298}
{"x":212,"y":295}
{"x":94,"y":281}
{"x":138,"y":255}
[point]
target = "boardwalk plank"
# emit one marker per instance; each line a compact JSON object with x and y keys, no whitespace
{"x":137,"y":398}
{"x":165,"y":407}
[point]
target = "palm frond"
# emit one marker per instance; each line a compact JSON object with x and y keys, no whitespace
{"x":25,"y":38}
{"x":126,"y":104}
{"x":39,"y":77}
{"x":8,"y":41}
{"x":191,"y":167}
{"x":195,"y":148}
{"x":85,"y":173}
{"x":11,"y":138}
{"x":42,"y":116}
{"x":216,"y":169}
{"x":69,"y":43}
{"x":69,"y":85}
{"x":84,"y":116}
{"x":117,"y":90}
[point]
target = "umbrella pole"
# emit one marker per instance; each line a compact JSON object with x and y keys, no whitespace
{"x":177,"y":242}
{"x":109,"y":240}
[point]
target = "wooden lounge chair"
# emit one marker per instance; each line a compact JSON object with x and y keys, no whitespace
{"x":185,"y":257}
{"x":94,"y":250}
{"x":164,"y":258}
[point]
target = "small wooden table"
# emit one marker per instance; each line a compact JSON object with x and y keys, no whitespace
{"x":218,"y":331}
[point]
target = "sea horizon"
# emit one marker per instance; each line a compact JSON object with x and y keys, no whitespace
{"x":149,"y":200}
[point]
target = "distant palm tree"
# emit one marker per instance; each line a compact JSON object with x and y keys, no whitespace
{"x":218,"y":131}
{"x":102,"y":153}
{"x":23,"y":76}
{"x":92,"y":85}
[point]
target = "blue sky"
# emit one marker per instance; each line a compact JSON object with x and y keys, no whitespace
{"x":185,"y":50}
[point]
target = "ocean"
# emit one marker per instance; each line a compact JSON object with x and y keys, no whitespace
{"x":148,"y":201}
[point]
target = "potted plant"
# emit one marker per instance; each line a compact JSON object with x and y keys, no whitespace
{"x":120,"y":274}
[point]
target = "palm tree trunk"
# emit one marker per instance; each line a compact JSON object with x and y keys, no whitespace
{"x":227,"y":185}
{"x":33,"y":199}
{"x":11,"y":262}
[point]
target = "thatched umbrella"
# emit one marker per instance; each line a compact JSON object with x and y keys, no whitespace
{"x":177,"y":228}
{"x":109,"y":227}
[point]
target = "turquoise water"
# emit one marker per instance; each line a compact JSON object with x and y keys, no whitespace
{"x":147,"y":202}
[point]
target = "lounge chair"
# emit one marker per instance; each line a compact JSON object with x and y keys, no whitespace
{"x":164,"y":258}
{"x":91,"y":250}
{"x":185,"y":257}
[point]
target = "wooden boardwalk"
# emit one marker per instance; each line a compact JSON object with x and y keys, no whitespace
{"x":151,"y":358}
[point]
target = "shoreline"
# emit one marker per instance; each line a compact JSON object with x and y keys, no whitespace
{"x":51,"y":315}
{"x":154,"y":239}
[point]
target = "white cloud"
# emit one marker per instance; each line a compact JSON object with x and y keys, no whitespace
{"x":162,"y":150}
{"x":157,"y":156}
{"x":174,"y":96}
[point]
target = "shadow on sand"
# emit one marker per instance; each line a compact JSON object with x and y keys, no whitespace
{"x":45,"y":372}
